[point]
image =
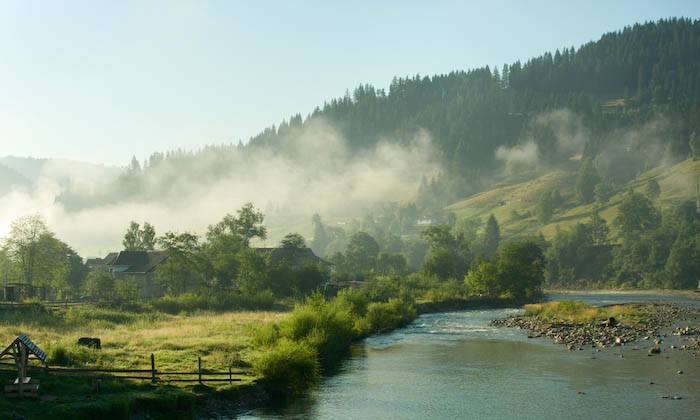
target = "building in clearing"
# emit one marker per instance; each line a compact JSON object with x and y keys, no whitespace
{"x":136,"y":265}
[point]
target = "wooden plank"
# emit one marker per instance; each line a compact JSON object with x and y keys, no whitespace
{"x":97,"y":370}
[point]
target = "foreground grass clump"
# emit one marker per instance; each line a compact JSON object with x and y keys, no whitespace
{"x":321,"y":332}
{"x":289,"y":367}
{"x":579,"y":312}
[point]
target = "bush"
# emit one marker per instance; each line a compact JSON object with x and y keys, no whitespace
{"x":266,"y":335}
{"x":386,"y":316}
{"x":289,"y":368}
{"x":327,"y":328}
{"x":214,"y":301}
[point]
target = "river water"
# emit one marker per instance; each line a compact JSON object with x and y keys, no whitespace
{"x":455,"y":365}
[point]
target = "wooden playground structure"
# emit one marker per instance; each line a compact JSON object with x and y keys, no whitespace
{"x":22,"y":350}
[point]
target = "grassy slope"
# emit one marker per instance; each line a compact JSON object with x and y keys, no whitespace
{"x":511,"y":202}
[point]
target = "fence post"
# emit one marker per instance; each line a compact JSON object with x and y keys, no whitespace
{"x":199,"y":363}
{"x":153,"y":368}
{"x":230,"y":377}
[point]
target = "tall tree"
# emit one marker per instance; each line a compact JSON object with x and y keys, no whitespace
{"x":139,"y":239}
{"x":492,"y":235}
{"x":449,"y":255}
{"x":694,"y":144}
{"x":181,"y":272}
{"x":361,"y":253}
{"x":246,"y":226}
{"x":22,"y":245}
{"x":636,"y":213}
{"x":586,"y":181}
{"x":545,"y":207}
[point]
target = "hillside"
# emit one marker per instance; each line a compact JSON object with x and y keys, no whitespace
{"x":479,"y":122}
{"x":515,"y":205}
{"x":11,"y":179}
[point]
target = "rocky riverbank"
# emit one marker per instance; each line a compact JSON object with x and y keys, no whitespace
{"x":652,"y":324}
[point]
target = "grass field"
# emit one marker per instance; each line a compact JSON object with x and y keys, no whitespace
{"x":128,"y":339}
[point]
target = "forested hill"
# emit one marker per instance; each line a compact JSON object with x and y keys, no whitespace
{"x":569,"y":102}
{"x":620,"y":81}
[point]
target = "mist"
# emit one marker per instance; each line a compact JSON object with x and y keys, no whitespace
{"x":550,"y":137}
{"x":314,"y":171}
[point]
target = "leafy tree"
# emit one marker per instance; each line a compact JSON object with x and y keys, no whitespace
{"x":599,"y":229}
{"x":77,"y":272}
{"x":252,"y":275}
{"x":602,"y":192}
{"x":391,"y":264}
{"x":221,"y":252}
{"x":321,"y":238}
{"x":636,"y":213}
{"x":181,"y":271}
{"x":361,"y":253}
{"x":138,"y":239}
{"x":545,"y":207}
{"x":694,"y":144}
{"x":521,"y":269}
{"x":125,"y":290}
{"x":293,"y":241}
{"x":226,"y":242}
{"x":99,"y":285}
{"x":483,"y":280}
{"x":516,"y":271}
{"x":22,"y":245}
{"x":683,"y":264}
{"x":652,"y":189}
{"x":492,"y":235}
{"x":449,"y":255}
{"x":246,"y":226}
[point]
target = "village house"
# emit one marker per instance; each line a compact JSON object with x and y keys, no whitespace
{"x":136,"y":265}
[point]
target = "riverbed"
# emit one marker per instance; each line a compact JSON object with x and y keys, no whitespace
{"x":456,"y":365}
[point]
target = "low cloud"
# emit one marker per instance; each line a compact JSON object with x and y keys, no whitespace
{"x":316,"y":173}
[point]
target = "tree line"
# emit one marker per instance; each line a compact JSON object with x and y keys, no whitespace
{"x":225,"y":260}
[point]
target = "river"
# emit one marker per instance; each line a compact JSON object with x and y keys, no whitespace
{"x":455,"y":365}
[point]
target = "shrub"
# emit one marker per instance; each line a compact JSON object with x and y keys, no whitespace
{"x":389,"y":315}
{"x":288,"y":368}
{"x":266,"y":335}
{"x":327,"y":328}
{"x":214,"y":301}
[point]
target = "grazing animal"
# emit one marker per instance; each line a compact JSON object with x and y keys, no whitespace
{"x":92,"y":342}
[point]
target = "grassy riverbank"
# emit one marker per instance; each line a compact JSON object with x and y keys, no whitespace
{"x":275,"y":352}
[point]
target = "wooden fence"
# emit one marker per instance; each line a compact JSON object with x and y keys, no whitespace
{"x":154,"y":375}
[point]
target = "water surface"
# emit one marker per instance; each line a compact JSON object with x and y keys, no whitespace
{"x":456,"y":365}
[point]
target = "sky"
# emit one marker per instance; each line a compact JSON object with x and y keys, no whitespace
{"x":102,"y":81}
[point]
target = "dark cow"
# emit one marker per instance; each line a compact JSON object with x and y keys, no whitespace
{"x":92,"y":342}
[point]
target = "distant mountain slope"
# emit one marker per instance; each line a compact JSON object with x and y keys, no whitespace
{"x":629,"y":101}
{"x":11,"y":179}
{"x":29,"y":168}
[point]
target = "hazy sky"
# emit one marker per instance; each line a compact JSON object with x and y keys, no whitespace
{"x":104,"y":80}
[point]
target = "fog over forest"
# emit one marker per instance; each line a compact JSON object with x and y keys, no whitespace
{"x":318,"y":175}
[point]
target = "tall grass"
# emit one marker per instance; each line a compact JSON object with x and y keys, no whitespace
{"x":326,"y":329}
{"x":214,"y":301}
{"x":579,"y":312}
